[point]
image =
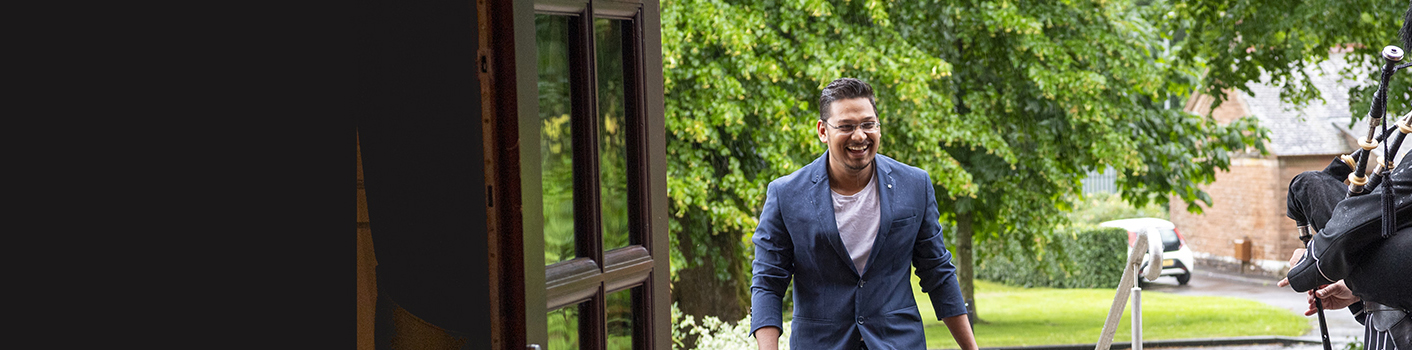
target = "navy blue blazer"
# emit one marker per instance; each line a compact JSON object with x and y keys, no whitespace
{"x":834,"y":306}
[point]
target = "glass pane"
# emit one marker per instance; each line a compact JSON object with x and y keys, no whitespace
{"x":1170,"y":241}
{"x":620,"y":320}
{"x":555,"y":139}
{"x":612,"y":135}
{"x":564,"y":328}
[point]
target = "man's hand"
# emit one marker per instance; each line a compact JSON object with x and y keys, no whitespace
{"x":960,"y":327}
{"x":1293,"y":260}
{"x":768,"y":338}
{"x":1334,"y":296}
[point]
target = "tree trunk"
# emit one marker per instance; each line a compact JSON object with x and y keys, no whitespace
{"x":965,"y":272}
{"x":699,"y":291}
{"x":700,"y":294}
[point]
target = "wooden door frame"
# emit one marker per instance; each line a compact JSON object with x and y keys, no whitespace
{"x":521,"y":289}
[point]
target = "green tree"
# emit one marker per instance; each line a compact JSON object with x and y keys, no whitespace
{"x":742,"y":83}
{"x":1074,"y":86}
{"x":1096,"y":208}
{"x":1281,"y":42}
{"x":1007,"y":104}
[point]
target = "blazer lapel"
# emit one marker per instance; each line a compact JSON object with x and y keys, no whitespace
{"x":885,"y":198}
{"x":822,"y":198}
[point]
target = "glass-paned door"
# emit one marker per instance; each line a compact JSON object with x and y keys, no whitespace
{"x":598,"y":182}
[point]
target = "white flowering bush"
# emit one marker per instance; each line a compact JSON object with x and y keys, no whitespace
{"x":714,"y":334}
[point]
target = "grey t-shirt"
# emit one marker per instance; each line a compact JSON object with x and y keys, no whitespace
{"x":857,"y":218}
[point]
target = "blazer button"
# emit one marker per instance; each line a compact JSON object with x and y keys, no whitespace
{"x":861,"y":282}
{"x":860,"y":319}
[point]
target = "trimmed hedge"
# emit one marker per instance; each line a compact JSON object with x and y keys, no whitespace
{"x":1079,"y":257}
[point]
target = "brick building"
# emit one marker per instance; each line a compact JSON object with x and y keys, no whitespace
{"x":1248,"y":201}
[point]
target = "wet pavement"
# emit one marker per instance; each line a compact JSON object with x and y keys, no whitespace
{"x":1214,"y":282}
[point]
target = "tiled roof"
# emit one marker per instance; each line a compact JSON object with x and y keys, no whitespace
{"x":1317,"y":128}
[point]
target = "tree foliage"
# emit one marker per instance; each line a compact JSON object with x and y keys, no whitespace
{"x":742,"y":83}
{"x":1097,"y":208}
{"x":1006,"y":104}
{"x":1240,"y":42}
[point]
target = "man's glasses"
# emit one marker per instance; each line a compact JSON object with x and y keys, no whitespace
{"x":868,"y":127}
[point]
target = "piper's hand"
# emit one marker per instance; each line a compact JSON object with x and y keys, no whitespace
{"x":1333,"y":296}
{"x":1293,"y":260}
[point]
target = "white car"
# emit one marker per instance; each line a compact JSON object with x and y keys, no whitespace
{"x":1176,"y":256}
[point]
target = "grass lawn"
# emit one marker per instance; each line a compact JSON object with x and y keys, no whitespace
{"x":1045,"y":316}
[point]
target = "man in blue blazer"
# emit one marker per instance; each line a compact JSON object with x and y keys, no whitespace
{"x":847,"y":228}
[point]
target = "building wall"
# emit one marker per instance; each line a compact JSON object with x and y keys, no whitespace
{"x":1247,"y":203}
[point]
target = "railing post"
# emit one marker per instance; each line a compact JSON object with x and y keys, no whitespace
{"x":1137,"y":318}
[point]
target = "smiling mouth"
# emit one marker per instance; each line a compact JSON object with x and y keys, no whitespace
{"x":858,"y":148}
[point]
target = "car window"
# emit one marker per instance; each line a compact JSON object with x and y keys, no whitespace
{"x":1168,"y":235}
{"x":1169,"y":239}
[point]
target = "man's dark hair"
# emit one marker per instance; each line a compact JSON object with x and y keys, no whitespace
{"x":843,"y":89}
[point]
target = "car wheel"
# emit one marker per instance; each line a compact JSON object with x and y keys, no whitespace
{"x":1182,"y":279}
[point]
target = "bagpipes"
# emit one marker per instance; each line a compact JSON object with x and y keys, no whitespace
{"x":1355,"y":223}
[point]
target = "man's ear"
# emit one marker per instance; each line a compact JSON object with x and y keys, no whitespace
{"x":822,"y":131}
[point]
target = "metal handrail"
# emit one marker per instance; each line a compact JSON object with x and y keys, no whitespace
{"x":1141,"y":246}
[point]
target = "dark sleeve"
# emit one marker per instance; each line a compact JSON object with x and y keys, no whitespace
{"x":773,"y":265}
{"x":933,"y":262}
{"x":1357,"y":309}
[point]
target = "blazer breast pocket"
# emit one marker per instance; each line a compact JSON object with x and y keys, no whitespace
{"x":904,"y":227}
{"x":904,"y":222}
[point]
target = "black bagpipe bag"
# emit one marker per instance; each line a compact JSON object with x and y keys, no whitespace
{"x":1314,"y":194}
{"x":1351,"y":246}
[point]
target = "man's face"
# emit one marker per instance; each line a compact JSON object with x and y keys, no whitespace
{"x":852,"y":152}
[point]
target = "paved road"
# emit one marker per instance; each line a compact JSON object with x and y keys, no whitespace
{"x":1342,"y":327}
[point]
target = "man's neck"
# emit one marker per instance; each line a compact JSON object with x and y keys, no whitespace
{"x":847,"y":181}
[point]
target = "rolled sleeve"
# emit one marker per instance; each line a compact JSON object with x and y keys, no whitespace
{"x":933,"y":263}
{"x":772,"y":268}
